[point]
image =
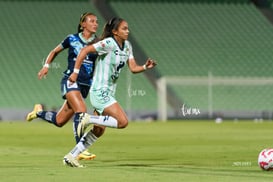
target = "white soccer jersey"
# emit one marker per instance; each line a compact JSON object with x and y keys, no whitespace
{"x":110,"y":61}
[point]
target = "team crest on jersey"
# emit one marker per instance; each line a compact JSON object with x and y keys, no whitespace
{"x":102,"y":44}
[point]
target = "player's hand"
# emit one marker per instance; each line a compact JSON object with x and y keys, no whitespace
{"x":73,"y":77}
{"x":42,"y":73}
{"x":150,"y":63}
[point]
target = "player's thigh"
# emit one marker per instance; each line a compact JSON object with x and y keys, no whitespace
{"x":64,"y":114}
{"x":72,"y":92}
{"x":116,"y":111}
{"x":105,"y":104}
{"x":76,"y":101}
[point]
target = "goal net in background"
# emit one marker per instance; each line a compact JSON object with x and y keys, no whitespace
{"x":216,"y":97}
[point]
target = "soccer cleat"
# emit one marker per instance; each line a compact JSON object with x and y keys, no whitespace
{"x":70,"y":161}
{"x":85,"y":155}
{"x":84,"y":118}
{"x":33,"y":114}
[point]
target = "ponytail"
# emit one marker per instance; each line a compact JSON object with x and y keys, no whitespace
{"x":80,"y":29}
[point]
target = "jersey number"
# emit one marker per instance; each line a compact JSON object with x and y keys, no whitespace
{"x":116,"y":73}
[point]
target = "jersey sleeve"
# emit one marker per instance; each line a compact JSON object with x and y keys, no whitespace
{"x":104,"y":46}
{"x":66,"y":42}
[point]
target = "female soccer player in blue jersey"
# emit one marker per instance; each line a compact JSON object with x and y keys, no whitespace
{"x":74,"y":94}
{"x":114,"y":52}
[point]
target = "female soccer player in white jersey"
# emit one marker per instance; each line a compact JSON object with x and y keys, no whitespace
{"x":75,"y":94}
{"x":114,"y":52}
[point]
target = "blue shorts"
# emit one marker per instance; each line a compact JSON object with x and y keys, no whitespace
{"x":101,"y":99}
{"x":66,"y":87}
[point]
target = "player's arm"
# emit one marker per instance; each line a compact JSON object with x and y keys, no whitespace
{"x":80,"y":58}
{"x":135,"y":68}
{"x":51,"y":56}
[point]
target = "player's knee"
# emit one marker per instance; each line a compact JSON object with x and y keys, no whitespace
{"x":59,"y":125}
{"x":123,"y":123}
{"x":60,"y":122}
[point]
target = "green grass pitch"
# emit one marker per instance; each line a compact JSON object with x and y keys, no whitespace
{"x":154,"y":151}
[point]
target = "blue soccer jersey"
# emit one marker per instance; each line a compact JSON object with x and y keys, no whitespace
{"x":74,"y":43}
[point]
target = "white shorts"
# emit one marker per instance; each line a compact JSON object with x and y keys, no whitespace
{"x":101,"y":99}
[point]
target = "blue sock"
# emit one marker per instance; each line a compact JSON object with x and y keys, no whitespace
{"x":49,"y":116}
{"x":75,"y":126}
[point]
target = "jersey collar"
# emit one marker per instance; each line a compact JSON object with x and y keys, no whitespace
{"x":123,"y":44}
{"x":88,"y":40}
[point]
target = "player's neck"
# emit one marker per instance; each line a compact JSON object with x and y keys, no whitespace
{"x":87,"y":35}
{"x":119,"y":41}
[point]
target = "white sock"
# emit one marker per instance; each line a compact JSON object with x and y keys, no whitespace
{"x":86,"y":141}
{"x":108,"y":121}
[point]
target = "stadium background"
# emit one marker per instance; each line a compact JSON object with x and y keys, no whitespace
{"x":196,"y":38}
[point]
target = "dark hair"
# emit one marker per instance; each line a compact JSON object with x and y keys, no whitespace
{"x":111,"y":25}
{"x":82,"y":19}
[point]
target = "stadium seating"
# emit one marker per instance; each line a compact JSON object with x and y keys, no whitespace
{"x":31,"y":30}
{"x":187,"y":38}
{"x":225,"y":38}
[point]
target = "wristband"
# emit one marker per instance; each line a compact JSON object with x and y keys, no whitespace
{"x":144,"y":67}
{"x":46,"y":65}
{"x":76,"y":70}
